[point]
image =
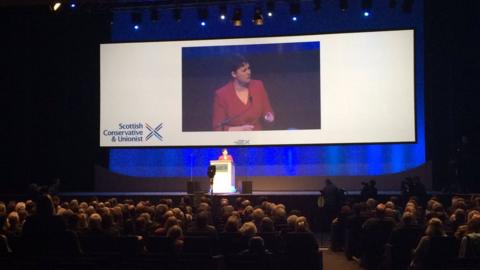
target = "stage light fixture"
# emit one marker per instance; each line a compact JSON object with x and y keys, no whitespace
{"x":202,"y":13}
{"x":407,"y":6}
{"x":343,"y":5}
{"x":392,"y":3}
{"x":257,"y":16}
{"x":270,"y":8}
{"x":73,"y":4}
{"x":237,"y":17}
{"x":317,"y":4}
{"x":154,"y":16}
{"x":223,"y":12}
{"x":177,"y":14}
{"x":136,"y":18}
{"x":294,"y":10}
{"x":366,"y":7}
{"x":55,"y":6}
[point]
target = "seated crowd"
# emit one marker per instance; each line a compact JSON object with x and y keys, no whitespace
{"x":413,"y":236}
{"x":230,"y":229}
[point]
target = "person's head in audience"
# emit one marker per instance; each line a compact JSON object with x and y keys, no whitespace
{"x":291,"y":221}
{"x":160,"y":211}
{"x":279,"y":215}
{"x":175,"y":232}
{"x":248,"y":229}
{"x":82,"y":221}
{"x":3,"y":208}
{"x":473,"y":225}
{"x":11,"y":206}
{"x":301,"y":225}
{"x":461,"y":231}
{"x":371,"y":204}
{"x":117,"y":215}
{"x":257,"y":215}
{"x":246,"y":203}
{"x":345,"y":211}
{"x":13,"y":221}
{"x":203,"y":206}
{"x":207,"y":200}
{"x":266,"y":225}
{"x":435,"y":228}
{"x":202,"y":219}
{"x":232,"y":224}
{"x":224,"y":201}
{"x":45,"y":206}
{"x":30,"y":207}
{"x":410,"y":209}
{"x":90,"y":210}
{"x":170,"y":222}
{"x":238,"y":203}
{"x":83,"y":205}
{"x":380,"y":210}
{"x":178,"y":213}
{"x":247,"y":212}
{"x":471,"y":214}
{"x":227,"y":211}
{"x":409,"y":218}
{"x":459,"y":216}
{"x":141,"y":225}
{"x":95,"y":222}
{"x":107,"y":222}
{"x":256,"y":245}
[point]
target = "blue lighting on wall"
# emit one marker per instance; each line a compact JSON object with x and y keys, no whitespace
{"x":326,"y":160}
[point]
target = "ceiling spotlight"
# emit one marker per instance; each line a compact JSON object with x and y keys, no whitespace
{"x":73,"y":4}
{"x":202,"y":15}
{"x":136,"y":18}
{"x":317,"y":4}
{"x":237,"y":17}
{"x":223,"y":12}
{"x":343,"y":5}
{"x":295,"y":10}
{"x":177,"y":14}
{"x":257,"y":16}
{"x":55,"y":5}
{"x":366,"y":7}
{"x":407,"y":6}
{"x":392,"y":3}
{"x":154,"y":15}
{"x":270,"y":8}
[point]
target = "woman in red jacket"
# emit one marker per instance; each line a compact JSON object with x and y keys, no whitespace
{"x":242,"y":104}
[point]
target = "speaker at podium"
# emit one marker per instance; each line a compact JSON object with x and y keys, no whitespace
{"x":224,"y":179}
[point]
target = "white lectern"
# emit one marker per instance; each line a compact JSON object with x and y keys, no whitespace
{"x":224,"y":180}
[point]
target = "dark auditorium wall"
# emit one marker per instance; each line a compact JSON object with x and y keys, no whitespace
{"x":51,"y":97}
{"x":50,"y":101}
{"x":452,"y":66}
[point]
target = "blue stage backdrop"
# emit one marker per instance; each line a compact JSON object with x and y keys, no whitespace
{"x":326,"y":160}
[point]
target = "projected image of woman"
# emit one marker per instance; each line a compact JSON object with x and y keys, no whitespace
{"x":242,"y":104}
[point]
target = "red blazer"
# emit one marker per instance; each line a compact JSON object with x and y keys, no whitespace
{"x":229,"y":157}
{"x":229,"y":110}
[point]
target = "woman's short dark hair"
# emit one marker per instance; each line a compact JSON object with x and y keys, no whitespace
{"x":237,"y":61}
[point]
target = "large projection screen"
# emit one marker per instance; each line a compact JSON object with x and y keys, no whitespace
{"x":344,"y":88}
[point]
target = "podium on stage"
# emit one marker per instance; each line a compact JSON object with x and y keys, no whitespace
{"x":224,"y":180}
